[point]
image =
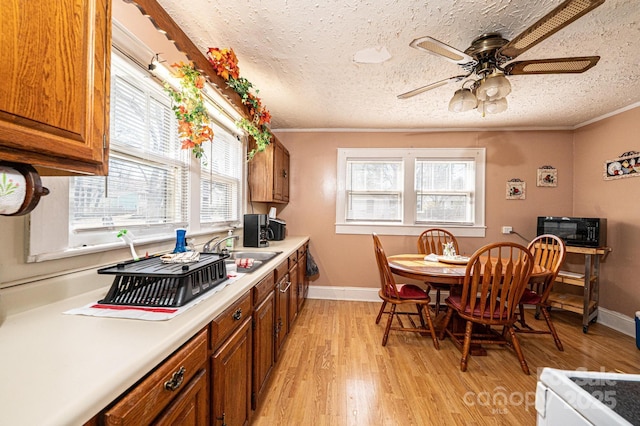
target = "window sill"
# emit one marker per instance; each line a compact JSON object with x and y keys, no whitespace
{"x":478,"y":231}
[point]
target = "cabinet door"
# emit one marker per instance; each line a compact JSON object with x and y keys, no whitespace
{"x":293,"y":295}
{"x":282,"y":312}
{"x":302,"y":279}
{"x":190,"y":407}
{"x":54,"y":84}
{"x":231,"y":379}
{"x":164,"y":385}
{"x":278,"y":170}
{"x":285,"y":175}
{"x":263,"y":345}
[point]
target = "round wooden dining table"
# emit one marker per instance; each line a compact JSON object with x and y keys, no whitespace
{"x":415,"y":266}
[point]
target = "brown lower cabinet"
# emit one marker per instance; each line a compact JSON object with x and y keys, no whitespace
{"x":177,"y":389}
{"x":231,"y":364}
{"x":221,"y":373}
{"x":264,"y":332}
{"x":282,"y":292}
{"x":302,"y":281}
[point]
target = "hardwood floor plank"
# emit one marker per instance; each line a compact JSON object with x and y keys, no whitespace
{"x":333,"y":370}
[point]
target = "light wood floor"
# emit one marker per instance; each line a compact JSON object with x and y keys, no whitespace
{"x":334,"y":371}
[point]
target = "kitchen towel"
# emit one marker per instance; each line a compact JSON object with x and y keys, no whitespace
{"x":146,"y":313}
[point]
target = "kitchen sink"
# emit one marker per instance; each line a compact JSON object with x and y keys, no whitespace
{"x":259,"y":258}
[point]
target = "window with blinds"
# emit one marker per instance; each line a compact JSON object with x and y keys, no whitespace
{"x":148,"y":173}
{"x":220,"y":179}
{"x":444,"y":191}
{"x":399,"y":191}
{"x":152,"y":186}
{"x":374,"y":190}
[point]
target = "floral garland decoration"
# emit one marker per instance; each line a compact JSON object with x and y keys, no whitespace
{"x":193,"y":121}
{"x":225,"y":63}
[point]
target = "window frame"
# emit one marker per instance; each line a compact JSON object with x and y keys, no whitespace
{"x":409,"y":224}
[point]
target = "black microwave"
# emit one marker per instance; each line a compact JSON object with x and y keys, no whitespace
{"x":575,"y":231}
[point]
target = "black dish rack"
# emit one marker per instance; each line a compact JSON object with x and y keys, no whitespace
{"x":150,"y":282}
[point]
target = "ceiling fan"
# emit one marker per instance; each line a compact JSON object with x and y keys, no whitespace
{"x":489,"y":60}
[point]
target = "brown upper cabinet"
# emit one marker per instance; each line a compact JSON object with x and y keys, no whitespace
{"x":54,"y":84}
{"x":269,"y":174}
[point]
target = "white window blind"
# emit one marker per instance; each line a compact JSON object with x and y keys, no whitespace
{"x":146,"y":188}
{"x":220,"y":180}
{"x":374,"y":190}
{"x":445,"y":191}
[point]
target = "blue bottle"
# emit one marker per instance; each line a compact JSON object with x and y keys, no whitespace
{"x":181,"y":241}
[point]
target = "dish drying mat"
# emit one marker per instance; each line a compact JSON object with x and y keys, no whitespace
{"x":146,"y":313}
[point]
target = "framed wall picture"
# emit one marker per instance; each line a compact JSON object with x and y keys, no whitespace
{"x":516,"y":189}
{"x":627,"y":165}
{"x":547,"y":176}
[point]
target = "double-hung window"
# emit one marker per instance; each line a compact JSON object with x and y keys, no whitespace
{"x":153,"y":186}
{"x":404,"y":191}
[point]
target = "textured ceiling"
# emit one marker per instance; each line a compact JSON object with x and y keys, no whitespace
{"x":299,"y":54}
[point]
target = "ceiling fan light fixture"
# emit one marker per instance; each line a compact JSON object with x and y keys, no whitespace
{"x":463,"y":100}
{"x":494,"y":86}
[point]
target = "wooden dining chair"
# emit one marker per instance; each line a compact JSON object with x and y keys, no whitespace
{"x":494,"y":281}
{"x":394,"y":295}
{"x":433,"y":241}
{"x":548,"y":251}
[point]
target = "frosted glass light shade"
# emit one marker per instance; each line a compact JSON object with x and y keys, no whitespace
{"x":493,"y":87}
{"x":493,"y":107}
{"x":463,"y":100}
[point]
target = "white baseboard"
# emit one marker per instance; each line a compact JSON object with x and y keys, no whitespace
{"x":617,"y":321}
{"x":606,"y":317}
{"x":360,"y":294}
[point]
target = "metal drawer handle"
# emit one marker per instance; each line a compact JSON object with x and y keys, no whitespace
{"x":286,"y":288}
{"x":176,"y":380}
{"x":237,"y":315}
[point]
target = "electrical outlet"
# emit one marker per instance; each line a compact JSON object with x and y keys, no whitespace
{"x":507,"y":229}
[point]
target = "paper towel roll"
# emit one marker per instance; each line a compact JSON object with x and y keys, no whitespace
{"x":13,"y":190}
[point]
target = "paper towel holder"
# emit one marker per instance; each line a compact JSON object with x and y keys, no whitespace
{"x":21,"y":196}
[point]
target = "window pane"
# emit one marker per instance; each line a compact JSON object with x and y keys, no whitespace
{"x":374,"y":190}
{"x":442,"y":208}
{"x":375,"y":207}
{"x":444,"y":191}
{"x":134,"y":194}
{"x":220,"y":181}
{"x":375,"y":176}
{"x":147,"y":182}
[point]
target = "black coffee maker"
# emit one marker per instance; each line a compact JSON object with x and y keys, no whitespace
{"x":256,"y":230}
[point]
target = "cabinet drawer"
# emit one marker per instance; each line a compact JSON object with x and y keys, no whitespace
{"x":281,"y":270}
{"x":226,"y":323}
{"x":262,"y":289}
{"x":301,"y":251}
{"x":149,"y":397}
{"x":293,"y":258}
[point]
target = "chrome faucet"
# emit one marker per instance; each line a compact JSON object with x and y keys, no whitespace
{"x":207,"y":246}
{"x":218,"y":243}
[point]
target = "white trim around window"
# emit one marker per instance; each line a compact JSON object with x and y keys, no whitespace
{"x":404,"y":192}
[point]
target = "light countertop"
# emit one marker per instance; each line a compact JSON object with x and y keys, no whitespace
{"x":59,"y":369}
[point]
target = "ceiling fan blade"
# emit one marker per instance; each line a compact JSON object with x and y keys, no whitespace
{"x":432,"y":86}
{"x":554,"y":21}
{"x":438,"y":48}
{"x":574,"y":65}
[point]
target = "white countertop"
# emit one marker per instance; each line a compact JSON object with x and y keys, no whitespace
{"x":59,"y":369}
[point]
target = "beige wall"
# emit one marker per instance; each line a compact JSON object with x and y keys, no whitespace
{"x":347,"y":260}
{"x":617,"y":200}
